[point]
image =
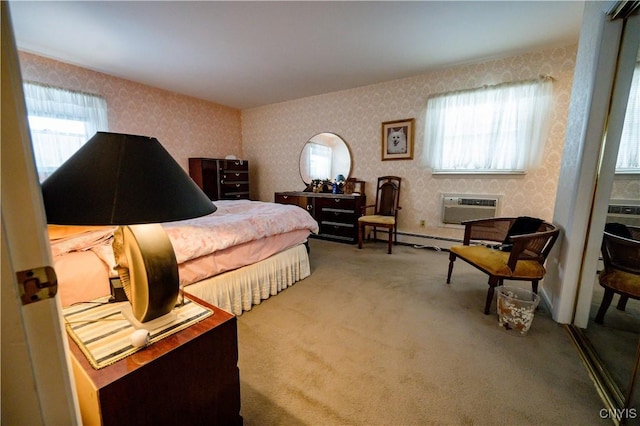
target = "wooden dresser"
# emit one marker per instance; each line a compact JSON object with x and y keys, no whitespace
{"x":221,"y":179}
{"x":336,"y":214}
{"x":190,"y":377}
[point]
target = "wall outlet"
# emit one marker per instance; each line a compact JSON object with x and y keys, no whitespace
{"x":422,"y":223}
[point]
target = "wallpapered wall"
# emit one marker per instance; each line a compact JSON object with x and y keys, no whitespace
{"x":185,"y":126}
{"x":273,"y":136}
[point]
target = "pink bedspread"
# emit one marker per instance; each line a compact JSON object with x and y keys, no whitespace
{"x":199,"y":244}
{"x":232,"y":224}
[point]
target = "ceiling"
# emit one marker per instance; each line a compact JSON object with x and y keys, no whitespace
{"x":246,"y":54}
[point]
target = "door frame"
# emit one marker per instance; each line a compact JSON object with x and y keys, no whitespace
{"x":36,"y":386}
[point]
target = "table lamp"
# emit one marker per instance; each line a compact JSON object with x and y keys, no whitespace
{"x":133,"y":182}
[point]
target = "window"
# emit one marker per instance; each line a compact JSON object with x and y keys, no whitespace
{"x":496,"y":129}
{"x":61,"y":121}
{"x":629,"y":151}
{"x":319,"y":161}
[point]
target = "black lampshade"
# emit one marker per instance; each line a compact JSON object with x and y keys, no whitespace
{"x":119,"y":179}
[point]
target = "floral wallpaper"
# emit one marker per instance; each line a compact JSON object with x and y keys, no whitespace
{"x":273,"y":136}
{"x":185,"y":126}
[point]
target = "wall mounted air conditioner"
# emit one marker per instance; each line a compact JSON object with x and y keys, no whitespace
{"x":457,"y":209}
{"x":624,"y":211}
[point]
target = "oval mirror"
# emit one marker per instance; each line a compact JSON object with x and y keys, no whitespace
{"x":324,"y":156}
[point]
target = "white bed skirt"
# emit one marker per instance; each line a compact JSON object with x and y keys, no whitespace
{"x":238,"y":290}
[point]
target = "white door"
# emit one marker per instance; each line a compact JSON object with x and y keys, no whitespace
{"x":36,"y":384}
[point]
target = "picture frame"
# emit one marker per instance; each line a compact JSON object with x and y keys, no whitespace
{"x":354,"y":186}
{"x":397,"y":139}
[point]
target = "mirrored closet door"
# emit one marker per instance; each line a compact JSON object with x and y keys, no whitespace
{"x":611,"y":342}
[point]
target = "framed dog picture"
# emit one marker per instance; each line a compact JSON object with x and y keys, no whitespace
{"x":397,"y":139}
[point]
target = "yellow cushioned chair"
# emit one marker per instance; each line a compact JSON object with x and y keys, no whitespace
{"x":386,"y":207}
{"x":621,"y":273}
{"x":515,"y":257}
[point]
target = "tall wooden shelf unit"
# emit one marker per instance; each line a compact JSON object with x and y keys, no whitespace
{"x":221,"y":179}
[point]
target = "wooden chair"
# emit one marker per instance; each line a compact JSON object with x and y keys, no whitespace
{"x":385,"y":214}
{"x":524,"y":259}
{"x":621,"y":273}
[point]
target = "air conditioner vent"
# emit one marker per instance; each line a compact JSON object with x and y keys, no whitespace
{"x":478,"y":202}
{"x":624,"y":211}
{"x":457,"y":209}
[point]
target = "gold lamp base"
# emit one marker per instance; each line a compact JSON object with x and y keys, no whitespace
{"x":147,"y":266}
{"x":153,"y":324}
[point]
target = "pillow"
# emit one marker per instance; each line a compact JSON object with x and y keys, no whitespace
{"x":58,"y":232}
{"x":65,"y":239}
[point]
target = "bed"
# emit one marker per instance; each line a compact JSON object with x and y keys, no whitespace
{"x":234,"y":258}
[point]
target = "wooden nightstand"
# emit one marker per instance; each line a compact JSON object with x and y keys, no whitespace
{"x":190,"y":377}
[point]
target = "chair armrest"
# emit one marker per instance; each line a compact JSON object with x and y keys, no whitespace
{"x":535,"y":246}
{"x":395,"y":212}
{"x":621,"y":253}
{"x":364,"y":209}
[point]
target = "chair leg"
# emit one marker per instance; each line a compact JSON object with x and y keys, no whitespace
{"x":606,"y":301}
{"x":452,"y":258}
{"x":534,"y":286}
{"x":395,"y":233}
{"x":622,"y":303}
{"x":390,"y":241}
{"x":360,"y":234}
{"x":493,"y":281}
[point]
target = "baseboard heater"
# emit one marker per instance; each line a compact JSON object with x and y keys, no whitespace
{"x":458,"y":208}
{"x":420,"y":240}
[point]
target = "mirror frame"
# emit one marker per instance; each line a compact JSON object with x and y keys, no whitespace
{"x":305,"y":177}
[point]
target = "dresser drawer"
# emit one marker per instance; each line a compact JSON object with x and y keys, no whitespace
{"x":231,"y":186}
{"x":235,"y":190}
{"x":335,"y":203}
{"x":332,"y":214}
{"x":231,"y":176}
{"x":228,"y":184}
{"x":336,"y":214}
{"x":234,"y":165}
{"x":235,"y":196}
{"x":298,"y":200}
{"x":337,"y":230}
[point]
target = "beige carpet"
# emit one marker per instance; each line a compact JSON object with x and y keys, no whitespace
{"x":377,"y":339}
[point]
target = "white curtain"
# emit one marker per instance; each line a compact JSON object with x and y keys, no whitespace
{"x":61,"y":121}
{"x":490,"y":129}
{"x":629,"y":151}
